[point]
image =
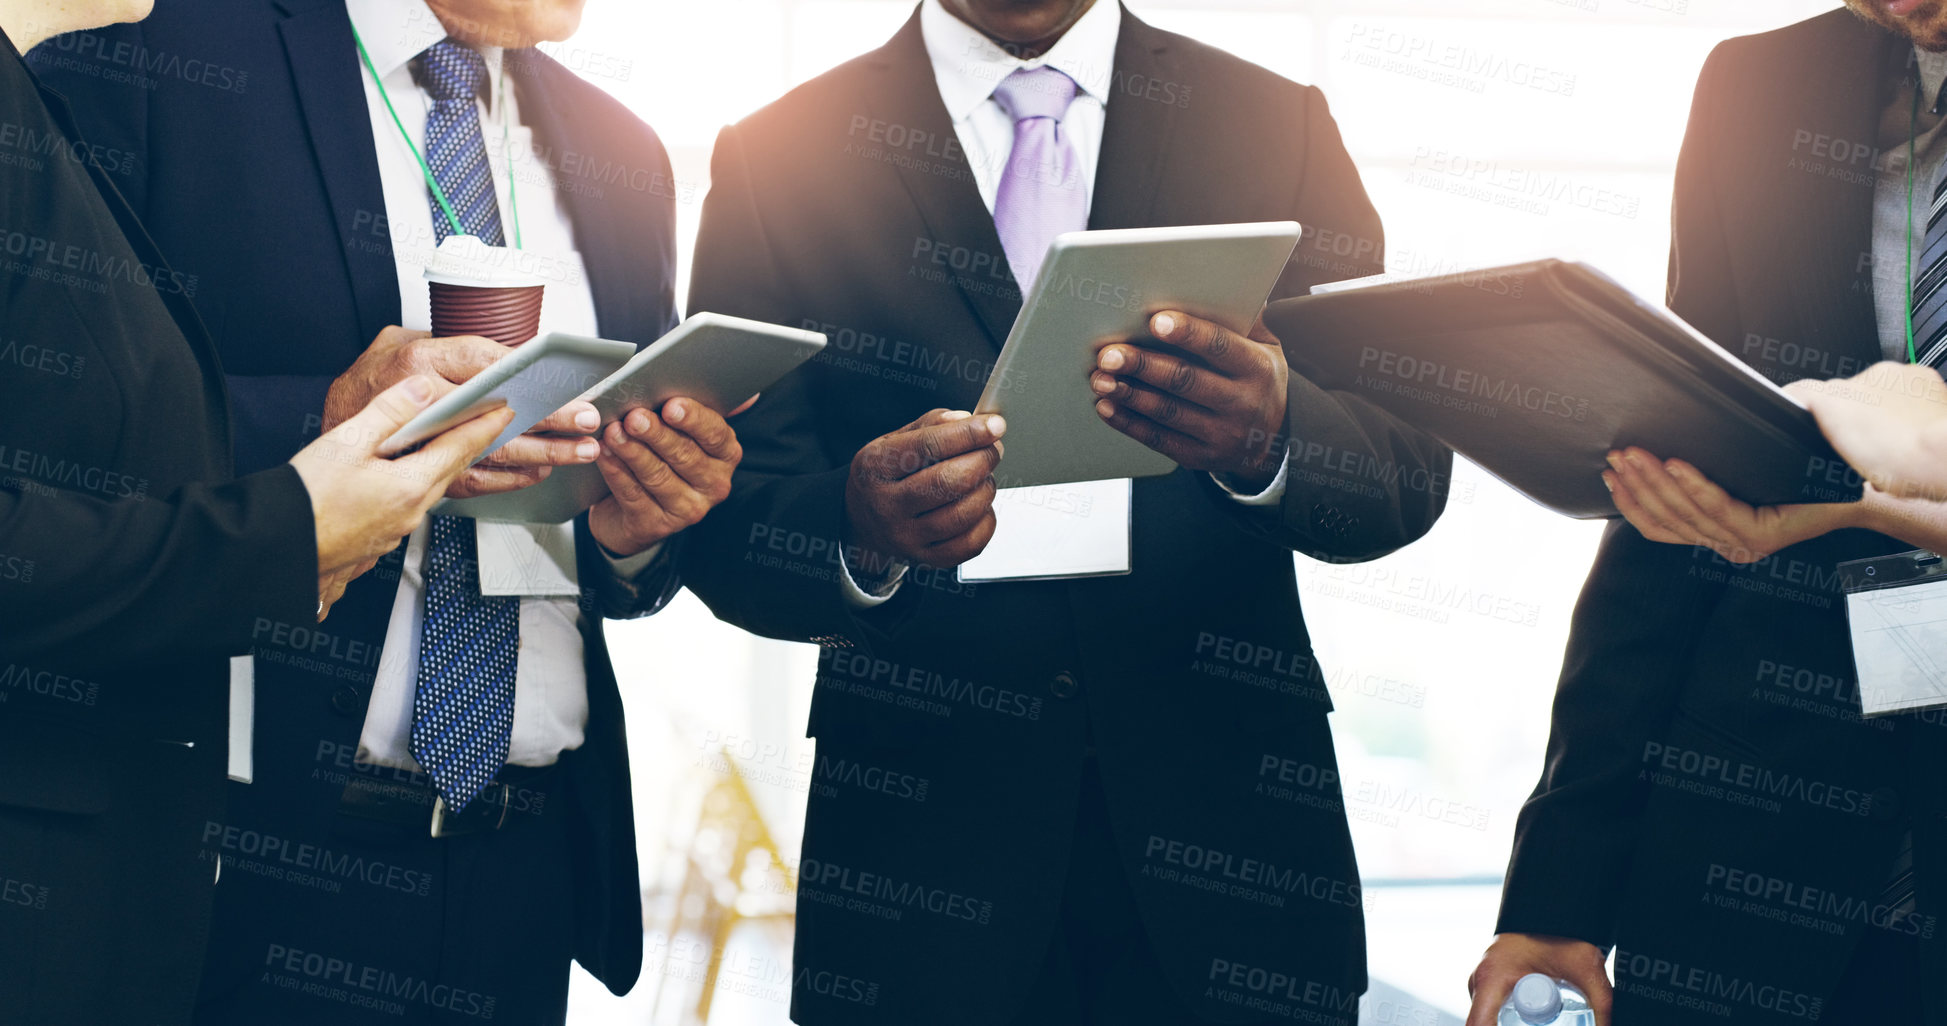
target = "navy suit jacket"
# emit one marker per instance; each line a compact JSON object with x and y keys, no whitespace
{"x":239,"y":132}
{"x":825,"y":209}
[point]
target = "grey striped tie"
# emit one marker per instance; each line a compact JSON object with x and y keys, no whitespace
{"x":1929,"y":296}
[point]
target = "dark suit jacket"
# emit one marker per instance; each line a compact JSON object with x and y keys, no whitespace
{"x":1713,"y":804}
{"x":262,"y":169}
{"x":131,"y":565}
{"x":824,"y":212}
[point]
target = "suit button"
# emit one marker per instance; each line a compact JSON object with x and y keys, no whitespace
{"x":346,"y":700}
{"x":1064,"y":685}
{"x":1329,"y":521}
{"x":1886,"y":804}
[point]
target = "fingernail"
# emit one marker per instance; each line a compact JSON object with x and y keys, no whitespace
{"x":1164,"y":324}
{"x":418,"y":389}
{"x":955,"y":415}
{"x":588,"y":420}
{"x":1607,"y":483}
{"x":638,"y":423}
{"x":1111,"y":359}
{"x":1101,"y":383}
{"x":587,"y":449}
{"x":1105,"y":407}
{"x":1615,"y":460}
{"x":674,"y":411}
{"x":996,"y":425}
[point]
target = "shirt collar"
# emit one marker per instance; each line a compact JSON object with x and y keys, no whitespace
{"x":968,"y":65}
{"x":1933,"y":73}
{"x":396,"y":31}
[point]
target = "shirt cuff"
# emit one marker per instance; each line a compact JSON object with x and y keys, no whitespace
{"x":1272,"y":494}
{"x":628,"y":568}
{"x":885,"y":588}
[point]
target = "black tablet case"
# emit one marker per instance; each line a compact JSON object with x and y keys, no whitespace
{"x":1536,"y":371}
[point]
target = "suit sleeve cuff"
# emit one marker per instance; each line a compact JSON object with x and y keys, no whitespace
{"x":1272,"y":494}
{"x":858,"y":596}
{"x":628,"y":568}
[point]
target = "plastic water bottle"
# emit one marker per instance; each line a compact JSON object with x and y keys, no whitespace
{"x":1540,"y":1000}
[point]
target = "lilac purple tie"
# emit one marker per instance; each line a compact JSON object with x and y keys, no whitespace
{"x":1041,"y":193}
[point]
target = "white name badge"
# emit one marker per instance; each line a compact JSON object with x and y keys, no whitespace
{"x":529,"y":560}
{"x":243,"y":718}
{"x":1896,"y":609}
{"x":1049,"y":532}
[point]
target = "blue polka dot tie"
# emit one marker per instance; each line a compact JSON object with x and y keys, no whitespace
{"x":463,"y":706}
{"x":455,"y":76}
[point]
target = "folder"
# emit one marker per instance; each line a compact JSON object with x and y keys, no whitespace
{"x":1536,"y":371}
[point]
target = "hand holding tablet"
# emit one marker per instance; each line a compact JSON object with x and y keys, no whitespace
{"x":535,"y":380}
{"x":1096,"y":293}
{"x":716,"y":360}
{"x":1209,"y":398}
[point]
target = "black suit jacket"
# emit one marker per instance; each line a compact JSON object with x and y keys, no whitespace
{"x":131,"y":565}
{"x":261,"y":168}
{"x":1713,"y":804}
{"x":824,"y":212}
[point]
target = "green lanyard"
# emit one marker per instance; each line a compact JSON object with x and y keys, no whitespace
{"x":506,"y":153}
{"x":1913,"y":129}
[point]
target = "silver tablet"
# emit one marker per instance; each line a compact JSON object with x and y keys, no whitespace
{"x":535,"y":378}
{"x":715,"y":359}
{"x":1098,"y":288}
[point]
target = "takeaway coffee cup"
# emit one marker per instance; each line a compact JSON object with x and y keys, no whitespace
{"x":478,"y":289}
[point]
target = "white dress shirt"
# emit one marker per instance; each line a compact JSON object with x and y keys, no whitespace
{"x":550,"y":683}
{"x":967,"y":67}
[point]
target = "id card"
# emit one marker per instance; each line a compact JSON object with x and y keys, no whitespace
{"x":1896,"y":609}
{"x":243,"y":718}
{"x":1050,"y":532}
{"x":529,"y":560}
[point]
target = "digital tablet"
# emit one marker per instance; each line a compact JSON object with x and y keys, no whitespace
{"x":1536,"y":371}
{"x":536,"y":379}
{"x":1101,"y":287}
{"x":715,"y":359}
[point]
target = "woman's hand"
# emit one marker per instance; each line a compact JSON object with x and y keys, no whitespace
{"x":1671,"y":501}
{"x":331,"y":586}
{"x":1889,"y":422}
{"x":363,"y":503}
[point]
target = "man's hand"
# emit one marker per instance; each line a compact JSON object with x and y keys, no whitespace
{"x":363,"y":503}
{"x":925,"y":493}
{"x":1514,"y":955}
{"x":399,"y":353}
{"x":1207,"y":397}
{"x":1889,"y":422}
{"x":663,"y":472}
{"x":1673,"y":502}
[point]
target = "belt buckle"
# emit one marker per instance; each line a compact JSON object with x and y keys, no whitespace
{"x":461,"y":822}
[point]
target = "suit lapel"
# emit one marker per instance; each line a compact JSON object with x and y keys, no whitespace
{"x":1134,"y":153}
{"x":609,"y":258}
{"x":1135,"y":138}
{"x":324,"y":62}
{"x":1827,"y":222}
{"x":902,"y":94}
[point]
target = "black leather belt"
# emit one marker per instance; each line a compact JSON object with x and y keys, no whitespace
{"x":416,"y":806}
